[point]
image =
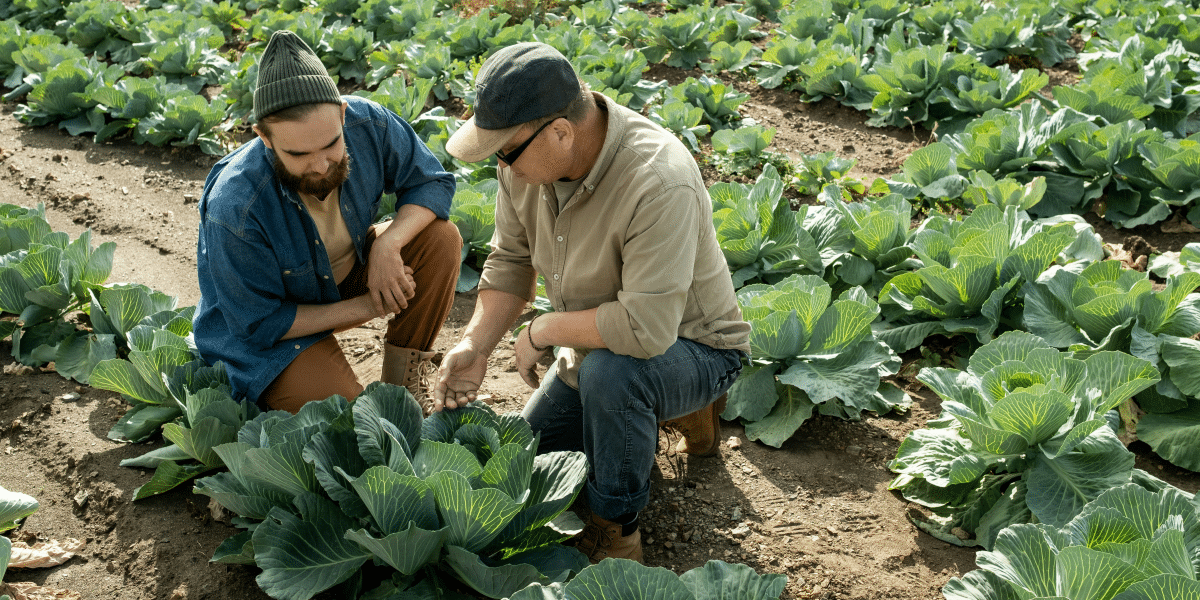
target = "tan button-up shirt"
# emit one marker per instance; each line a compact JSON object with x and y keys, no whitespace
{"x":636,"y":240}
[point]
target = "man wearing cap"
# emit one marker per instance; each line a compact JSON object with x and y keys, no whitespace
{"x":611,"y":210}
{"x":288,"y":254}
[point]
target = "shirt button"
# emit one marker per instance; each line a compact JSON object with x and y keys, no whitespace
{"x":297,"y":346}
{"x":287,"y":272}
{"x":560,"y":238}
{"x":556,"y":276}
{"x":317,"y":242}
{"x":326,"y":277}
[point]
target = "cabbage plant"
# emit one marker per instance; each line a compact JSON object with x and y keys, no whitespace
{"x":461,"y":494}
{"x":719,"y":101}
{"x":683,"y":120}
{"x":877,"y":232}
{"x":622,"y":578}
{"x":1174,"y":263}
{"x":985,"y":189}
{"x":1109,"y":162}
{"x":744,"y":150}
{"x":1101,"y":305}
{"x":731,"y":57}
{"x":56,"y":93}
{"x":679,"y":39}
{"x":153,"y":341}
{"x":990,"y":88}
{"x":1175,"y":165}
{"x":762,"y":238}
{"x":810,"y":352}
{"x":1107,"y":307}
{"x":621,"y":71}
{"x":900,"y":90}
{"x":393,"y":19}
{"x":1129,"y":543}
{"x":208,"y":416}
{"x":782,"y":58}
{"x":13,"y":507}
{"x":1025,"y":435}
{"x":44,"y":277}
{"x":125,"y":103}
{"x":95,"y":25}
{"x":972,"y":270}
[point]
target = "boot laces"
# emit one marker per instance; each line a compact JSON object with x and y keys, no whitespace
{"x":593,"y":539}
{"x":421,"y":384}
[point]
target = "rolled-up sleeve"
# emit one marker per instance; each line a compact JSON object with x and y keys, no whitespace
{"x":656,"y":276}
{"x":248,"y":283}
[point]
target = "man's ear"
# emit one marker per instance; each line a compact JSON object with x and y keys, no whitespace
{"x":564,"y":132}
{"x":262,"y":136}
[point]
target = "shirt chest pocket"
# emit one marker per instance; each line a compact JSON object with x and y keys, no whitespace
{"x":300,"y":282}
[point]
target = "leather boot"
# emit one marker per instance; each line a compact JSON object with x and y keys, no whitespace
{"x":410,"y":368}
{"x":701,"y":430}
{"x":601,"y":539}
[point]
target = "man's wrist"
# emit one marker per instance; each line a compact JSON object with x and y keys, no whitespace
{"x":529,"y":332}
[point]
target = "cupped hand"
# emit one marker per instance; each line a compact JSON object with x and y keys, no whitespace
{"x":459,"y":377}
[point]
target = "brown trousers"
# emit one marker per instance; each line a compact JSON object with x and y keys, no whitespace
{"x":322,"y":370}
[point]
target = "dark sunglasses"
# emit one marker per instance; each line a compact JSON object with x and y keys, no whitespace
{"x":511,"y":157}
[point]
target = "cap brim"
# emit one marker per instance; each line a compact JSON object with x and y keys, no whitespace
{"x":473,"y":144}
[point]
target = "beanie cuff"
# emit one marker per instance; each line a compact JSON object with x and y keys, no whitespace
{"x":294,"y":91}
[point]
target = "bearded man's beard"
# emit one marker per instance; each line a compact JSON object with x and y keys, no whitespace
{"x":316,"y":186}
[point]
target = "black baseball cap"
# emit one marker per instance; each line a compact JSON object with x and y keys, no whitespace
{"x":516,"y":85}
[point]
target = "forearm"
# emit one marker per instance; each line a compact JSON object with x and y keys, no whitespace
{"x":495,"y":312}
{"x":569,"y":329}
{"x":409,"y":221}
{"x":339,"y":316}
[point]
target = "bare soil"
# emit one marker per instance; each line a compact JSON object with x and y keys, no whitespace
{"x":817,"y":509}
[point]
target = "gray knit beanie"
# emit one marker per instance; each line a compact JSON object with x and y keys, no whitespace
{"x":289,"y":74}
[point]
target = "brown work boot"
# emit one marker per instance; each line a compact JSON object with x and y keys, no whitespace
{"x":413,"y":369}
{"x":701,"y":430}
{"x":602,"y":539}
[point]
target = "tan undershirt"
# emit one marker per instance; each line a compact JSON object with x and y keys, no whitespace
{"x":332,"y":229}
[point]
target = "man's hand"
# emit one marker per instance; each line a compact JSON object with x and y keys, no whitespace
{"x":527,"y":357}
{"x":459,"y":377}
{"x":389,"y":280}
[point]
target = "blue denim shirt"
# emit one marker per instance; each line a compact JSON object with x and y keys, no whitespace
{"x":259,"y":254}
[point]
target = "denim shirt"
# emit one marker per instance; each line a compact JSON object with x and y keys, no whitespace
{"x":259,"y":254}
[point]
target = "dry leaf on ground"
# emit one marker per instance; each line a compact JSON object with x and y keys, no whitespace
{"x":33,"y":591}
{"x":43,"y":554}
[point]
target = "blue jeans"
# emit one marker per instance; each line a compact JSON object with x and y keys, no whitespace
{"x":613,"y":417}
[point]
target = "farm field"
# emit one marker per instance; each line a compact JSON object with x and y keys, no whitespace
{"x":817,"y":508}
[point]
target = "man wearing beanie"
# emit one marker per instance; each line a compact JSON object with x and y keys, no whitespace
{"x":611,"y":210}
{"x":287,"y":251}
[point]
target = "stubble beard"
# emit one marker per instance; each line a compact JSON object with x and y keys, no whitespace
{"x":319,"y":187}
